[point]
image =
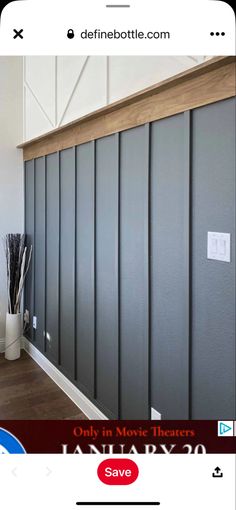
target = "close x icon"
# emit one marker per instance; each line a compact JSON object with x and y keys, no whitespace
{"x":18,"y":33}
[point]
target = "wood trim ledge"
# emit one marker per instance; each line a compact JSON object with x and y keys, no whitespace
{"x":206,"y":83}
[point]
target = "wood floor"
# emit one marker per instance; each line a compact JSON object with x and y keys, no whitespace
{"x":27,"y":393}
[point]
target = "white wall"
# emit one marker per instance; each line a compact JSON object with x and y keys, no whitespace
{"x":58,"y":90}
{"x":11,"y":164}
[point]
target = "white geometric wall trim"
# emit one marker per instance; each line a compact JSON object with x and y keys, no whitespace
{"x":68,"y":70}
{"x":81,"y":71}
{"x":64,"y":88}
{"x":90,"y":92}
{"x":39,"y":104}
{"x":39,"y":80}
{"x":35,"y":121}
{"x":34,"y":111}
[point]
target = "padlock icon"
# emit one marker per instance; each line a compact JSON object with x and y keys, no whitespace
{"x":70,"y":34}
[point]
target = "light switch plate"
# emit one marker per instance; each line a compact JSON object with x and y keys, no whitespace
{"x":35,"y":322}
{"x":218,"y":246}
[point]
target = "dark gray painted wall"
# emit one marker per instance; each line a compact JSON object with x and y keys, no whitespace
{"x":52,"y":258}
{"x":85,"y":261}
{"x":135,"y":314}
{"x":107,"y":272}
{"x":170,"y":266}
{"x":67,"y":262}
{"x":39,"y":253}
{"x":29,"y":230}
{"x":134,"y":183}
{"x":213,"y":282}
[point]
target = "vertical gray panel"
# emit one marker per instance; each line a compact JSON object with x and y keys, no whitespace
{"x":85,"y":297}
{"x":107,"y":194}
{"x":39,"y":256}
{"x":170,"y":267}
{"x":52,"y":257}
{"x":67,"y":262}
{"x":134,"y":168}
{"x":213,"y":300}
{"x":29,"y":230}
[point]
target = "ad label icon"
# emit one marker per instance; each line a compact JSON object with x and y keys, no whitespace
{"x":225,"y":428}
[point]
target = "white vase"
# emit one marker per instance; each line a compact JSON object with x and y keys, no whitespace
{"x":13,"y":336}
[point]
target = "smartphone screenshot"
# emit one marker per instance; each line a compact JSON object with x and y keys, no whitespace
{"x":117,"y":255}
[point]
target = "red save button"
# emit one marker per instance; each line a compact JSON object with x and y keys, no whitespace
{"x":118,"y":471}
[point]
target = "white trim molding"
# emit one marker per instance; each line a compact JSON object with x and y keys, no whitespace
{"x":79,"y":399}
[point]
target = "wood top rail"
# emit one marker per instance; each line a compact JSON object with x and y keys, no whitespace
{"x":206,"y":83}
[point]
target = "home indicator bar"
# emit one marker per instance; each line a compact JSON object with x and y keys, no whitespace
{"x":118,"y":503}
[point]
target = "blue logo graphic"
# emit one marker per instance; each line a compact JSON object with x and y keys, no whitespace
{"x":9,"y":443}
{"x":224,"y":428}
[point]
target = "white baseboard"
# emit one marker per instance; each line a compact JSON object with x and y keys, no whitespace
{"x":79,"y":399}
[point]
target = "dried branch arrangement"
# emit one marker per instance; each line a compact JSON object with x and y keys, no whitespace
{"x":18,"y":258}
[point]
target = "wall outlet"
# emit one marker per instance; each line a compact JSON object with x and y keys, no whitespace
{"x":34,"y":322}
{"x":26,"y":317}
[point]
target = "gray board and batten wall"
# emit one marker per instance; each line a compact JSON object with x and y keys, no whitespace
{"x":129,"y":308}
